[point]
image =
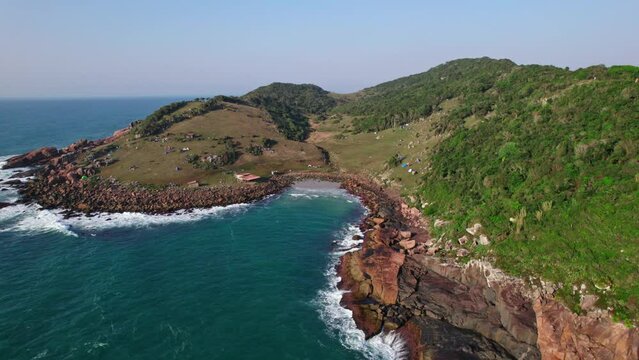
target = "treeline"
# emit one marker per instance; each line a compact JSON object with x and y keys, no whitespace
{"x":173,"y":113}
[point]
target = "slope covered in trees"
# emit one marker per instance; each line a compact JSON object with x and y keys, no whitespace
{"x":410,"y":98}
{"x":545,"y":158}
{"x":553,"y":175}
{"x":290,"y":104}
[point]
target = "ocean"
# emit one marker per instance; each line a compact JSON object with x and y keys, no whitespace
{"x":248,"y":281}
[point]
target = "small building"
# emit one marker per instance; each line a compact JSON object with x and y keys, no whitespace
{"x":193,"y":184}
{"x":190,"y":136}
{"x":247,"y":177}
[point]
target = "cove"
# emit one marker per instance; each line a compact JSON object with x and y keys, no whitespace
{"x":243,"y":282}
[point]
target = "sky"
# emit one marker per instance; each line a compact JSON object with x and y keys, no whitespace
{"x":86,"y":48}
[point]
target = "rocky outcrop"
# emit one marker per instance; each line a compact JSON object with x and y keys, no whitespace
{"x":48,"y":154}
{"x":4,"y":204}
{"x":35,"y":157}
{"x":434,"y":339}
{"x":69,"y":192}
{"x":565,"y":335}
{"x":388,"y":288}
{"x":474,"y":297}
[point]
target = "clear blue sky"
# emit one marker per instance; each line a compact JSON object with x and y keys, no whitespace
{"x":67,"y":48}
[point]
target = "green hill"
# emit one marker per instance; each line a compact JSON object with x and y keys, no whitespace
{"x":410,"y":98}
{"x":545,"y":158}
{"x":290,"y":104}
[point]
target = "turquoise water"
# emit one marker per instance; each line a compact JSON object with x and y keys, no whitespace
{"x":244,"y":282}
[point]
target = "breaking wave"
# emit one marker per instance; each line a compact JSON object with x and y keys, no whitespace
{"x":33,"y":219}
{"x":339,"y":320}
{"x":103,"y":221}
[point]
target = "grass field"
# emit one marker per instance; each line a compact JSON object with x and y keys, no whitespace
{"x":369,"y":153}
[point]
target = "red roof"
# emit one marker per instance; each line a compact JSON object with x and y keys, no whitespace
{"x":247,"y":177}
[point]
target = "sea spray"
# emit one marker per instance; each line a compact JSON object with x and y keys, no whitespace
{"x":339,"y":320}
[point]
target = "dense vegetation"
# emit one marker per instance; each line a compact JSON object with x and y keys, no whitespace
{"x":553,"y":175}
{"x":289,"y":105}
{"x":409,"y":98}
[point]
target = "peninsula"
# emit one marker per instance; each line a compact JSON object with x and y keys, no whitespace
{"x":502,"y":198}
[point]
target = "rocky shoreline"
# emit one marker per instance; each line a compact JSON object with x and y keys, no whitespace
{"x":443,"y":310}
{"x":446,"y":310}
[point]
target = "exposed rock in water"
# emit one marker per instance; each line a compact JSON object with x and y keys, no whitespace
{"x":12,"y":182}
{"x":22,"y":174}
{"x":4,"y":204}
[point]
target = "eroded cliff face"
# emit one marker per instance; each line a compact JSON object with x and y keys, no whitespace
{"x":473,"y":298}
{"x":445,"y":310}
{"x":390,"y":287}
{"x":567,"y":336}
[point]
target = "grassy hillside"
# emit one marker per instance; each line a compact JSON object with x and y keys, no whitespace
{"x":176,"y":112}
{"x":233,"y":138}
{"x":545,"y":158}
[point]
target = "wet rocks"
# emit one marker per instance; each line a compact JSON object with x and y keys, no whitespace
{"x":4,"y":204}
{"x":12,"y":182}
{"x":23,"y":174}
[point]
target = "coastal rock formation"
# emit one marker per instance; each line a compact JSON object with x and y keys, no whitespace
{"x":435,"y":339}
{"x":567,"y":336}
{"x":4,"y":204}
{"x":473,"y":298}
{"x":35,"y":157}
{"x":67,"y":191}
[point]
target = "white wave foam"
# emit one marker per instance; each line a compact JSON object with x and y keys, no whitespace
{"x":339,"y":320}
{"x":309,"y":192}
{"x":103,"y":221}
{"x":32,"y":219}
{"x":9,"y":194}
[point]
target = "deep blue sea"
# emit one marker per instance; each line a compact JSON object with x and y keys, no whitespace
{"x":249,"y":281}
